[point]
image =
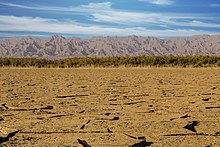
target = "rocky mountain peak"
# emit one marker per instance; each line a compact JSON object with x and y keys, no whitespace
{"x":57,"y":37}
{"x":28,"y":38}
{"x":60,"y":47}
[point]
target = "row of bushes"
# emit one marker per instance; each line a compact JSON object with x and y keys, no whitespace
{"x":127,"y":61}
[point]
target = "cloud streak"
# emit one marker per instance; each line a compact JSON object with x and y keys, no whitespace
{"x":11,"y":35}
{"x":91,"y":7}
{"x":156,"y":19}
{"x":13,"y":23}
{"x":109,"y":21}
{"x":104,"y":13}
{"x":214,"y":5}
{"x":159,"y":2}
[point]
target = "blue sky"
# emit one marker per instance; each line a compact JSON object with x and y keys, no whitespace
{"x":87,"y":18}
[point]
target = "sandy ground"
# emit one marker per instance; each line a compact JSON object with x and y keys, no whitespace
{"x":55,"y":107}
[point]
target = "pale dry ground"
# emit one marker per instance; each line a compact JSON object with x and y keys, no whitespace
{"x":148,"y":102}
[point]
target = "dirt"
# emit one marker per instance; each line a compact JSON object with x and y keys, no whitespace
{"x":110,"y":107}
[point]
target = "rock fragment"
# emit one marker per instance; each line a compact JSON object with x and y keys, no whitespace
{"x":83,"y":143}
{"x":191,"y":126}
{"x":184,"y":116}
{"x":6,"y":134}
{"x":115,"y":118}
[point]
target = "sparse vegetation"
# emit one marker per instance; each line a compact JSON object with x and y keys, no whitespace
{"x":126,"y":61}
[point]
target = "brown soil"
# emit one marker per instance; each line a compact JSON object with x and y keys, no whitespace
{"x":110,"y":107}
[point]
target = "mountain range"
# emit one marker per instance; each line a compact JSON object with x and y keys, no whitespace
{"x":56,"y":46}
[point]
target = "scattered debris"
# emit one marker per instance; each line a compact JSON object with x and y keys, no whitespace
{"x":40,"y":118}
{"x":136,"y":95}
{"x":142,"y":144}
{"x":82,"y":111}
{"x":80,"y":95}
{"x":184,"y":116}
{"x":63,"y":132}
{"x":57,"y":116}
{"x":206,"y":99}
{"x":1,"y":119}
{"x":5,"y":136}
{"x":131,"y":136}
{"x":82,"y":86}
{"x":25,"y":109}
{"x":113,"y":104}
{"x":217,"y":133}
{"x":207,"y":93}
{"x":191,"y":126}
{"x":142,"y":138}
{"x":9,"y":90}
{"x":212,"y":107}
{"x":71,"y":96}
{"x":214,"y":87}
{"x":192,"y":134}
{"x":109,"y":131}
{"x":47,"y":107}
{"x":83,"y":126}
{"x":112,"y":100}
{"x":151,"y":111}
{"x":83,"y":143}
{"x":107,"y":114}
{"x":4,"y":105}
{"x":115,"y":118}
{"x":65,"y":96}
{"x":131,"y":103}
{"x":88,"y":121}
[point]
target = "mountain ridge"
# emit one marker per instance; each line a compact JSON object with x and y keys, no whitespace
{"x":57,"y":46}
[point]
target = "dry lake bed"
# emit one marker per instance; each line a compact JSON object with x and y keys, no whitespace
{"x":110,"y":107}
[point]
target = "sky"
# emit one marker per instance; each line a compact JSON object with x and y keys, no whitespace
{"x":88,"y":18}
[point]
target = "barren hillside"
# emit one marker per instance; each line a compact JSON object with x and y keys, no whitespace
{"x":60,"y":47}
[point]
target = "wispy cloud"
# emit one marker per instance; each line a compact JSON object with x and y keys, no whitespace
{"x":13,"y":23}
{"x":159,"y":2}
{"x":137,"y":23}
{"x":214,"y":5}
{"x":103,"y":12}
{"x":91,"y":7}
{"x":154,"y":19}
{"x":98,"y":6}
{"x":11,"y":35}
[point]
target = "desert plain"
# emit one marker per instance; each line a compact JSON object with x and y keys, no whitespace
{"x":109,"y":107}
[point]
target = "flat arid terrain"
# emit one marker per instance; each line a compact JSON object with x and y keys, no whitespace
{"x":110,"y":107}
